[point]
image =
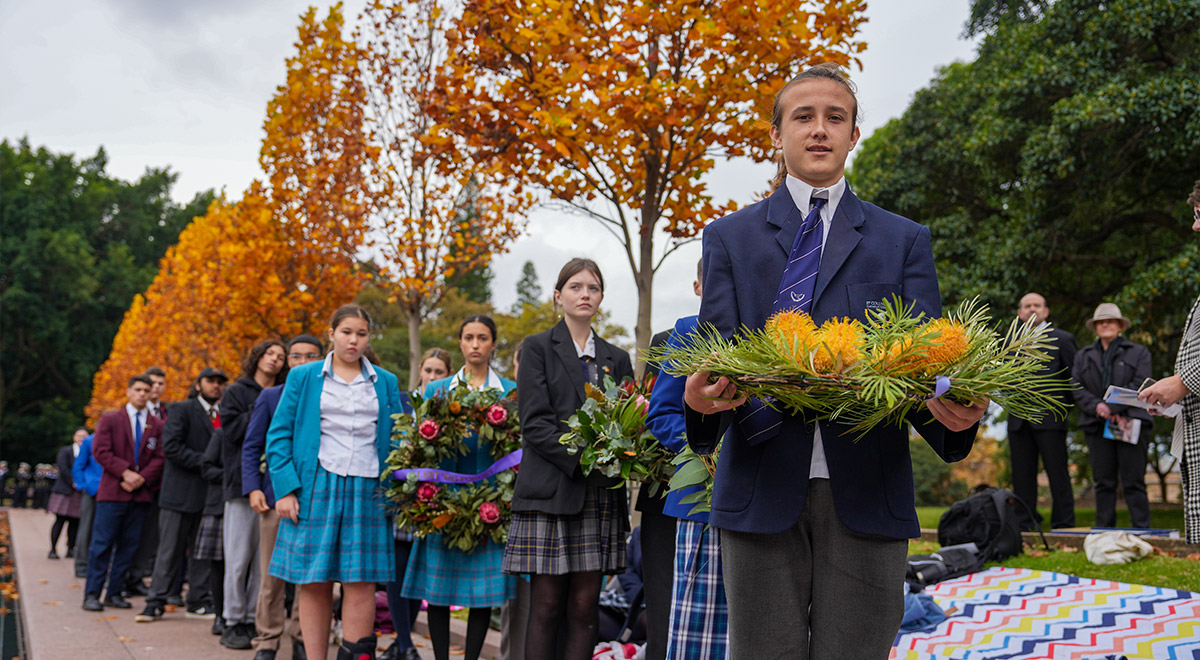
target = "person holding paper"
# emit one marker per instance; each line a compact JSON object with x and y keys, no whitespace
{"x":1184,"y":388}
{"x":1117,"y":436}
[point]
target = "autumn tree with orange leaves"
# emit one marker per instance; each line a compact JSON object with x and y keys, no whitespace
{"x":618,"y":108}
{"x":442,"y":210}
{"x":279,"y":261}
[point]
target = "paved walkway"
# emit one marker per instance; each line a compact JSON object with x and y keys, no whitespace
{"x":56,"y":627}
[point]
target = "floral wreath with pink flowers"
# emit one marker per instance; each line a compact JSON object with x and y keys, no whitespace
{"x":465,"y":510}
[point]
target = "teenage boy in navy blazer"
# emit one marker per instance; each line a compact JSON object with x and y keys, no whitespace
{"x":814,"y":522}
{"x":128,"y":446}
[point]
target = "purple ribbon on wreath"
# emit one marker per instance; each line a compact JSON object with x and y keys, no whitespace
{"x":940,"y":387}
{"x":447,"y":477}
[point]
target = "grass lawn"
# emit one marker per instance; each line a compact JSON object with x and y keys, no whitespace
{"x":1167,"y":518}
{"x":1156,"y":570}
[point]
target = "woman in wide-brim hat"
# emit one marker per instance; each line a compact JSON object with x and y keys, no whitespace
{"x":1114,"y":360}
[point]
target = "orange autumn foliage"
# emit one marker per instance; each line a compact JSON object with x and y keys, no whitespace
{"x":279,"y":261}
{"x":442,"y":211}
{"x":618,"y":108}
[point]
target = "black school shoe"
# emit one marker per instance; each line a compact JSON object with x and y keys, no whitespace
{"x":115,"y":600}
{"x":92,"y":603}
{"x":236,"y":636}
{"x":218,"y":625}
{"x":150,"y":614}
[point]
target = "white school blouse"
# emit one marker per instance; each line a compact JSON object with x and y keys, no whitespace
{"x":349,"y":416}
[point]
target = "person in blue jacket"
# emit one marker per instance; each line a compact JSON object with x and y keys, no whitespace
{"x":699,"y":614}
{"x":86,"y":473}
{"x":270,"y":616}
{"x":446,"y":576}
{"x":326,"y":448}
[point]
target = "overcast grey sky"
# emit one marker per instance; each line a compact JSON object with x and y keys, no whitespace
{"x":183,"y":83}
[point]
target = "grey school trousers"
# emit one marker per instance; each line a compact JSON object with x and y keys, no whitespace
{"x":241,"y":561}
{"x":816,"y":591}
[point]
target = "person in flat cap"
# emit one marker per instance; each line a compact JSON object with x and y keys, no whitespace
{"x":1117,"y":447}
{"x":181,"y":499}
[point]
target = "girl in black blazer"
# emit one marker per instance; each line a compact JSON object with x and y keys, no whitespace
{"x":567,"y":529}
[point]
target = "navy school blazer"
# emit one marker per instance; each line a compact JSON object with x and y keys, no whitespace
{"x":869,"y":256}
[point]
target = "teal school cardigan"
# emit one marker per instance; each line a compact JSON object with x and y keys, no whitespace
{"x":294,"y":438}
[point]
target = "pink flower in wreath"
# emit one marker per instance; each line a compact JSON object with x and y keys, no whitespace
{"x":429,"y":429}
{"x":644,"y":404}
{"x":426,"y":492}
{"x":497,"y":415}
{"x":489,"y":513}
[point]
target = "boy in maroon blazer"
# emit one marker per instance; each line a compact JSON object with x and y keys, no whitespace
{"x":128,"y":446}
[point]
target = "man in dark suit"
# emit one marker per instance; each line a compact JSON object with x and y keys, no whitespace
{"x":181,"y":499}
{"x":127,"y":445}
{"x":1048,"y":438}
{"x":814,"y":521}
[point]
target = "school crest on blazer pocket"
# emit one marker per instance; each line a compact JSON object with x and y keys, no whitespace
{"x":867,"y":297}
{"x":151,"y":442}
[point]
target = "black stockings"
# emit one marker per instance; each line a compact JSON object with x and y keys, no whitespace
{"x":573,"y":598}
{"x":478,"y":619}
{"x":56,"y":531}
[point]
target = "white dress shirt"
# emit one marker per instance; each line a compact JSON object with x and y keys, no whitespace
{"x":802,"y":196}
{"x":464,"y":378}
{"x":589,"y":346}
{"x":134,"y":415}
{"x":349,"y":417}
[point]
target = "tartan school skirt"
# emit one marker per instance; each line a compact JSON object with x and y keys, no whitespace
{"x":449,"y":576}
{"x":699,"y":624}
{"x":591,"y":540}
{"x":65,"y":505}
{"x":210,"y":539}
{"x":344,"y":538}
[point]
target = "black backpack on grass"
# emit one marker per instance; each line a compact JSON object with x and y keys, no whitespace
{"x":989,"y":520}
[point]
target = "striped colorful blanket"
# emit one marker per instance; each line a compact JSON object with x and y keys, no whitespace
{"x":1011,"y":613}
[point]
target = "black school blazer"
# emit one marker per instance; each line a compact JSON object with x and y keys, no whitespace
{"x":549,"y":391}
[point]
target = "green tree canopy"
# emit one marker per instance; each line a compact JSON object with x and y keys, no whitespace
{"x":1058,"y":161}
{"x":76,"y":245}
{"x":529,"y":290}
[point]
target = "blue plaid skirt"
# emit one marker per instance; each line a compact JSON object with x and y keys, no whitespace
{"x":449,"y":576}
{"x":344,"y":538}
{"x":699,"y":626}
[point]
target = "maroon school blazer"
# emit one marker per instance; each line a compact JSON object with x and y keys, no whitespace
{"x":112,"y":448}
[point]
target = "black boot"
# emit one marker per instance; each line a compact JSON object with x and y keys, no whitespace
{"x":363,"y":649}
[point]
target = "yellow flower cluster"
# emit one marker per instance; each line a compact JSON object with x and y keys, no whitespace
{"x":840,"y":343}
{"x":829,"y":349}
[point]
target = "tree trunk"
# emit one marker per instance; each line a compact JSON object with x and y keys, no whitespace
{"x":414,"y":347}
{"x":644,"y":278}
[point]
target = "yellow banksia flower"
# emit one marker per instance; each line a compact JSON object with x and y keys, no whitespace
{"x":839,"y":345}
{"x":948,"y":347}
{"x":793,"y":333}
{"x":899,"y":357}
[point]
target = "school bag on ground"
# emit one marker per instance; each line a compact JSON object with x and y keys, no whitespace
{"x":945,"y":564}
{"x":989,"y":520}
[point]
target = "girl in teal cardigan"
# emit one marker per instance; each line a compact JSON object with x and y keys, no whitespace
{"x":327,"y":445}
